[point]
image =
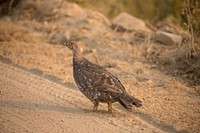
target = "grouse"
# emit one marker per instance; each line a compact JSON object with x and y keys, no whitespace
{"x":97,"y":84}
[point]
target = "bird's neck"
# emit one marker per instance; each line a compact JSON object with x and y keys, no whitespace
{"x":77,"y":53}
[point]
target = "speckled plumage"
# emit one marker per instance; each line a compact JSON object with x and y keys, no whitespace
{"x":97,"y":84}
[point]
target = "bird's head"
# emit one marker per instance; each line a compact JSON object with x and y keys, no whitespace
{"x":70,"y":44}
{"x":75,"y":49}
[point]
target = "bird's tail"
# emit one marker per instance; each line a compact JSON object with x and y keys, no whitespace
{"x":128,"y":101}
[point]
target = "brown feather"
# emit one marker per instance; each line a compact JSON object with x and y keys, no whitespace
{"x":97,"y":84}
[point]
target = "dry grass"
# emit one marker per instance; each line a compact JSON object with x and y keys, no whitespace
{"x":191,"y":11}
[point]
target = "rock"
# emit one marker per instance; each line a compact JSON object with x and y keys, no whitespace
{"x":126,"y":22}
{"x":81,"y":23}
{"x":167,"y":38}
{"x":42,"y":8}
{"x":174,"y":29}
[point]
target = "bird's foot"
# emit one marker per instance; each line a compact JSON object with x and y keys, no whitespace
{"x":110,"y":110}
{"x":95,"y":109}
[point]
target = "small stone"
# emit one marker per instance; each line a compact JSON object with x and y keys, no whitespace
{"x":167,"y":38}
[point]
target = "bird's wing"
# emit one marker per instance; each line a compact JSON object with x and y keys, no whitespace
{"x":117,"y":82}
{"x":107,"y":83}
{"x":95,"y":77}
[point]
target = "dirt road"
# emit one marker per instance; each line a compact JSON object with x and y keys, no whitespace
{"x":30,"y":103}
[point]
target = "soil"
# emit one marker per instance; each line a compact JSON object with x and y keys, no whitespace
{"x":37,"y":90}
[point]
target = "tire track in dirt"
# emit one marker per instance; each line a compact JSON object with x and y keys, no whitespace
{"x":30,"y":103}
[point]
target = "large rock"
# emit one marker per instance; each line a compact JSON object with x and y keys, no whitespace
{"x":126,"y":22}
{"x":40,"y":8}
{"x":74,"y":22}
{"x":167,"y":38}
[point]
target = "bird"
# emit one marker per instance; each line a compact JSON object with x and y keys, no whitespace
{"x":97,"y":83}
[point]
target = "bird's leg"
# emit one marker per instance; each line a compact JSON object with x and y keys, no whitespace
{"x":95,"y":106}
{"x":110,"y":107}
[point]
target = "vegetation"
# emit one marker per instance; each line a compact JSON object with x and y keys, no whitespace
{"x":191,"y":20}
{"x":191,"y":16}
{"x":149,"y":10}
